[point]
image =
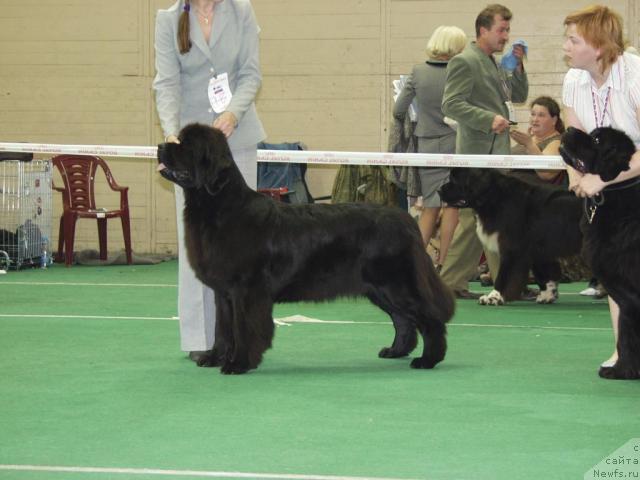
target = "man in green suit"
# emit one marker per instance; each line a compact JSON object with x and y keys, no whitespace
{"x":478,"y":94}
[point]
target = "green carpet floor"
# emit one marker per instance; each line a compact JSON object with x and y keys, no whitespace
{"x":91,"y":376}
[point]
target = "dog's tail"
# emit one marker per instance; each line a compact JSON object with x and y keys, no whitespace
{"x":440,"y":303}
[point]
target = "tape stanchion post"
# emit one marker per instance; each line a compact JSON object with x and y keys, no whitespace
{"x":545,"y":162}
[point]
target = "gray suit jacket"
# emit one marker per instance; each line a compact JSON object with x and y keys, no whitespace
{"x":474,"y":95}
{"x":181,"y":80}
{"x":426,"y":83}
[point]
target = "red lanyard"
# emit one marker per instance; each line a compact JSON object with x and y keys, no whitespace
{"x":604,"y":110}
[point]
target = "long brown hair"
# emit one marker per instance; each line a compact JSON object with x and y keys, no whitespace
{"x":184,"y":41}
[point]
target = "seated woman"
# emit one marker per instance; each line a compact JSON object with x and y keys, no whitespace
{"x":543,"y":138}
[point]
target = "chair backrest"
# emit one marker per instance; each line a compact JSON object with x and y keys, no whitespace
{"x":78,"y":174}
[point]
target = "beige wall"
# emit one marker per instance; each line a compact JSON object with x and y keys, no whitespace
{"x":80,"y":71}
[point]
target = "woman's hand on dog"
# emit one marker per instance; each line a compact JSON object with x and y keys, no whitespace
{"x":589,"y":185}
{"x":171,"y":139}
{"x":226,"y":122}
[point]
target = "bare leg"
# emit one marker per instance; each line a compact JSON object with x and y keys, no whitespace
{"x":427,"y":223}
{"x":448,"y":225}
{"x":614,"y":309}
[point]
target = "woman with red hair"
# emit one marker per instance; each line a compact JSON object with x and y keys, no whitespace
{"x":602,"y":88}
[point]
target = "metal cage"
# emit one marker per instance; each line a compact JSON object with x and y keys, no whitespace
{"x":25,"y":213}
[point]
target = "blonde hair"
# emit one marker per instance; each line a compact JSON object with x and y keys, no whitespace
{"x":601,"y":28}
{"x":446,"y":42}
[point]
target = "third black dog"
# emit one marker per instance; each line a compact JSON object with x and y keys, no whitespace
{"x":530,"y":226}
{"x":254,"y":252}
{"x":612,"y":233}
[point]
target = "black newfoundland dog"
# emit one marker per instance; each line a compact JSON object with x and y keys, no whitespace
{"x":530,"y":226}
{"x":254,"y":252}
{"x":612,"y":233}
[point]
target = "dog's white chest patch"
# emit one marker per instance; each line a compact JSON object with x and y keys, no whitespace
{"x":489,"y":241}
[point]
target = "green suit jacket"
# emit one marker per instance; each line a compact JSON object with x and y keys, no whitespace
{"x":474,"y":94}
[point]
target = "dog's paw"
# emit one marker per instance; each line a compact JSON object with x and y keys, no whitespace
{"x":619,"y":372}
{"x":388,"y":352}
{"x":549,"y":294}
{"x":209,"y":359}
{"x":494,"y":298}
{"x":231,"y":368}
{"x":423,"y":363}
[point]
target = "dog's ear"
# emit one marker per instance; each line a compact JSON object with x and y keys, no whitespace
{"x":614,"y":151}
{"x":459,"y":175}
{"x":214,"y":159}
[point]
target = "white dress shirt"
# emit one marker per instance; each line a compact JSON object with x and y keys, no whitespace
{"x":614,"y":104}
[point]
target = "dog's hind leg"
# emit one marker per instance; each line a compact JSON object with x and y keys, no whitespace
{"x":434,"y":306}
{"x":547,"y":274}
{"x":252,"y":329}
{"x":406,"y":337}
{"x":435,"y":344}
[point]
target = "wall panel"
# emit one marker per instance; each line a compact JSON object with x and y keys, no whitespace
{"x":80,"y":71}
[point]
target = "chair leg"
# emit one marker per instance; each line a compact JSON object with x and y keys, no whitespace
{"x":69,"y":234}
{"x":102,"y":237}
{"x":59,"y":255}
{"x":126,"y":231}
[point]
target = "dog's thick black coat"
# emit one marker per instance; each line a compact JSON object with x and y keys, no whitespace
{"x":612,"y":233}
{"x":254,"y":252}
{"x":531,"y":225}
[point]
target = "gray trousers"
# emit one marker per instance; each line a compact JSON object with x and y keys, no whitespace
{"x":196,"y":303}
{"x":464,"y":254}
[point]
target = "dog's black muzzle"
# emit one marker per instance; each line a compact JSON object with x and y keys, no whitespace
{"x":448,"y":195}
{"x":179,"y":177}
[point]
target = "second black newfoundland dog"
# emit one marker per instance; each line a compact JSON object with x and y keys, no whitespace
{"x":612,"y":233}
{"x":530,"y":226}
{"x":253,"y":252}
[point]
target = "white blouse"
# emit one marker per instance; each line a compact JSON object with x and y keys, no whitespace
{"x":614,"y":104}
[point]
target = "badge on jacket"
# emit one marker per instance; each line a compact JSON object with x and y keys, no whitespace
{"x":219,"y":93}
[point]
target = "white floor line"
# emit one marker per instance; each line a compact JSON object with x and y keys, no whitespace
{"x":90,"y":317}
{"x":84,"y":284}
{"x":147,"y":285}
{"x":287,"y":321}
{"x":182,"y":473}
{"x":560,"y":327}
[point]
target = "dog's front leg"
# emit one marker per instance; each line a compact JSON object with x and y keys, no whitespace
{"x":252,"y":329}
{"x":511,"y":279}
{"x":223,"y":333}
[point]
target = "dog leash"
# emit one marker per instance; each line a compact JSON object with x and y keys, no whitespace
{"x":591,"y":204}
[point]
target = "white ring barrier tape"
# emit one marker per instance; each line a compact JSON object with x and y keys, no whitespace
{"x":545,"y":162}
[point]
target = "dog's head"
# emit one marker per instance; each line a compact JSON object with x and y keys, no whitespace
{"x":199,"y":160}
{"x":605,"y":151}
{"x":467,"y":187}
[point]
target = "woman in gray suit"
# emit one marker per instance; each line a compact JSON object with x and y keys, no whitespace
{"x":207,"y":71}
{"x":426,"y":84}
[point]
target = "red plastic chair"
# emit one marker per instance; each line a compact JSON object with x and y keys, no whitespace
{"x":78,"y":199}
